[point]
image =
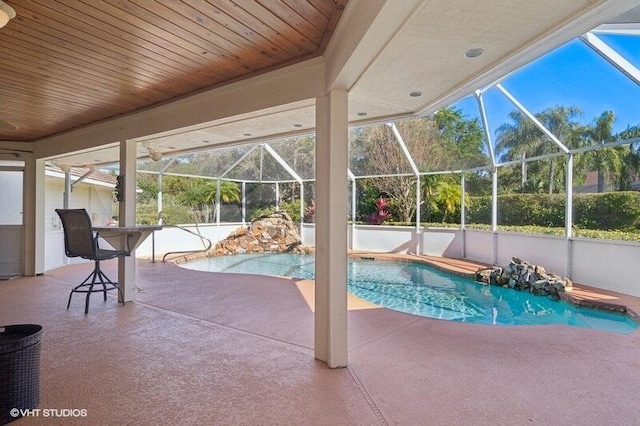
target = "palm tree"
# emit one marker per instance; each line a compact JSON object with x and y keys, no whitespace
{"x":201,"y":195}
{"x":523,"y":139}
{"x":442,"y":195}
{"x":604,"y":160}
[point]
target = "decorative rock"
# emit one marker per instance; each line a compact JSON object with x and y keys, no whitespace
{"x":521,"y":275}
{"x":274,"y":233}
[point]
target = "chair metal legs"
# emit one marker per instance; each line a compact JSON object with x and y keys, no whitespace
{"x":97,"y":277}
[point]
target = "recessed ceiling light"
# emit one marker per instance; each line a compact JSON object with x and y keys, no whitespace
{"x":361,"y":114}
{"x":474,"y":53}
{"x":247,"y":134}
{"x":415,"y":94}
{"x":297,"y":125}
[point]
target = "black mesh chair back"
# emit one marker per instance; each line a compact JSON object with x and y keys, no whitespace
{"x":80,"y":241}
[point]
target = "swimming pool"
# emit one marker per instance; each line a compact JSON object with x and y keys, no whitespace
{"x":420,"y":289}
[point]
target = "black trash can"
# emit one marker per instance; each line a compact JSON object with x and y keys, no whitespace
{"x":19,"y":369}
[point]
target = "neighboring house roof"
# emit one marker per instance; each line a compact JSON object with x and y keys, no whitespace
{"x":591,"y":184}
{"x":95,"y":177}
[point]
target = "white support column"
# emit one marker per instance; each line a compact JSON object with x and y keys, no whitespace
{"x":127,"y":217}
{"x":160,"y":198}
{"x":354,"y":201}
{"x":568,"y":213}
{"x":463,"y":206}
{"x":331,"y":228}
{"x":301,"y":208}
{"x":218,"y":202}
{"x":244,"y":202}
{"x":494,"y":215}
{"x":66,"y":195}
{"x":463,"y":216}
{"x":418,"y":202}
{"x":277,"y":196}
{"x":33,"y":216}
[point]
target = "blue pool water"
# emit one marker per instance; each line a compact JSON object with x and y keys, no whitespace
{"x":420,"y":289}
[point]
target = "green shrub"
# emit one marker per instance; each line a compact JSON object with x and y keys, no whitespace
{"x":293,"y":209}
{"x":610,"y":211}
{"x":606,"y":211}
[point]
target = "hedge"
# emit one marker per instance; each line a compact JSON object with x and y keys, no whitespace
{"x":606,"y":211}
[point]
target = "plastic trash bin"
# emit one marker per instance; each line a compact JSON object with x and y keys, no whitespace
{"x":19,"y":369}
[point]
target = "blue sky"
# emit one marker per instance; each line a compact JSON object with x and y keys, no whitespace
{"x":571,"y":75}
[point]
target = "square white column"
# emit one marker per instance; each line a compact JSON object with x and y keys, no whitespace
{"x":33,"y":216}
{"x":332,"y":149}
{"x":127,"y":217}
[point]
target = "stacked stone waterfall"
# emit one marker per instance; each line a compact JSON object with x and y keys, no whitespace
{"x":273,"y":233}
{"x":521,"y":275}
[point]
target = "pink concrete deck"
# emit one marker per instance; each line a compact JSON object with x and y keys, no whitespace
{"x":205,"y":348}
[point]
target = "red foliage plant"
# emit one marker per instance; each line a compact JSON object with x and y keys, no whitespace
{"x":380,"y":215}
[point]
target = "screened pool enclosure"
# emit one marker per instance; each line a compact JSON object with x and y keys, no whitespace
{"x":528,"y":165}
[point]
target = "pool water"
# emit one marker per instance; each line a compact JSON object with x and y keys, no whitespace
{"x":420,"y":289}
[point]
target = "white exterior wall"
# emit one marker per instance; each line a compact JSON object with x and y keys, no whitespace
{"x":606,"y":264}
{"x":444,"y":242}
{"x":96,"y":199}
{"x":174,"y":239}
{"x":308,"y":234}
{"x":388,"y":239}
{"x":546,"y":250}
{"x":478,"y":245}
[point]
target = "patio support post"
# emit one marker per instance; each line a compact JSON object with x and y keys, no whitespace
{"x":277,"y":196}
{"x":494,"y":215}
{"x":244,"y":202}
{"x":463,"y":216}
{"x":301,"y":208}
{"x":331,"y":228}
{"x":160,"y":198}
{"x":568,"y":213}
{"x":127,"y":217}
{"x":354,"y":200}
{"x":67,"y":186}
{"x":33,"y":216}
{"x":160,"y":175}
{"x":218,"y":202}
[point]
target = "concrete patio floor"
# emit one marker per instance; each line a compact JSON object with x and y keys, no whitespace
{"x":226,"y":349}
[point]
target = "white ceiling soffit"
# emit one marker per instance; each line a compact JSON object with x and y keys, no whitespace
{"x":427,"y":54}
{"x":272,"y":123}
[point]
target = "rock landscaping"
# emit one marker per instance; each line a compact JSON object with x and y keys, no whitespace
{"x":522,"y":275}
{"x":273,"y":233}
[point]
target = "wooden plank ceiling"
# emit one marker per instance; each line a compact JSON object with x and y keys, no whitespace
{"x":68,"y":63}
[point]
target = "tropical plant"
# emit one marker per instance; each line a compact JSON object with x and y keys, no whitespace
{"x":522,"y":139}
{"x":380,"y":215}
{"x":443,"y":197}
